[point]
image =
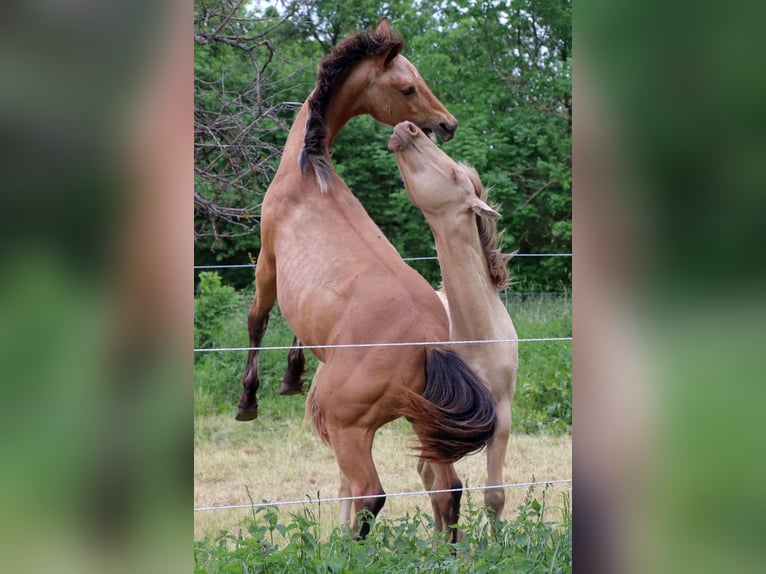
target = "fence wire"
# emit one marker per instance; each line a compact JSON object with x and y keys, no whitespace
{"x":310,"y":500}
{"x":428,"y":258}
{"x":405,"y":344}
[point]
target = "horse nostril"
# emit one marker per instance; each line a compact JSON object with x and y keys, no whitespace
{"x":447,"y":129}
{"x":412,"y":129}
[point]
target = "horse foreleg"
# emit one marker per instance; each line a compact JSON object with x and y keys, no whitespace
{"x":257,"y":321}
{"x":296,"y":364}
{"x":446,"y":504}
{"x":494,"y":498}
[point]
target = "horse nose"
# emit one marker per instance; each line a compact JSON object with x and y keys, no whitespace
{"x":448,"y":129}
{"x":411,"y":128}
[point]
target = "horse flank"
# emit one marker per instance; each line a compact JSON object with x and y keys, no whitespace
{"x":333,"y":70}
{"x":455,"y":413}
{"x":497,"y":261}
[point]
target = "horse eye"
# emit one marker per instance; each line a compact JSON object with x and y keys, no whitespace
{"x":408,"y":91}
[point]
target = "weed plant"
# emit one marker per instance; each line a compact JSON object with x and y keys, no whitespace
{"x":265,"y":543}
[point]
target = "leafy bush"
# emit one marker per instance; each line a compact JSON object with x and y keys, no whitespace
{"x":214,"y":306}
{"x":527,"y":543}
{"x":220,"y":320}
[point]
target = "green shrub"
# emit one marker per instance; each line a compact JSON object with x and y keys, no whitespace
{"x":214,"y":306}
{"x":527,"y":543}
{"x":220,"y":321}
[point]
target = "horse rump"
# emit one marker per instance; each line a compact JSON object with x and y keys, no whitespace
{"x":455,"y":416}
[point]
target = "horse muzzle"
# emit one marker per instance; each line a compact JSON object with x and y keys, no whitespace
{"x":446,"y":130}
{"x":403,"y":135}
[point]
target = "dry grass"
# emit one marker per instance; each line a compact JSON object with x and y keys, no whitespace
{"x":283,"y":460}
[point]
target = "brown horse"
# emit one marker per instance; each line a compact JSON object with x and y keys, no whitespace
{"x":473,"y":270}
{"x":340,"y":282}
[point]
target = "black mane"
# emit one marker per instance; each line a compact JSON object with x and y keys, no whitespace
{"x":333,"y":71}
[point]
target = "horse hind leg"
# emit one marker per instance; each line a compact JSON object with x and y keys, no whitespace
{"x":427,"y":477}
{"x":353,"y":452}
{"x":292,"y":383}
{"x":344,"y":491}
{"x":257,"y":321}
{"x":446,"y":504}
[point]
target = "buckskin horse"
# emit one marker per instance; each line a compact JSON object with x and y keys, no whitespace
{"x":453,"y":201}
{"x":341,"y":283}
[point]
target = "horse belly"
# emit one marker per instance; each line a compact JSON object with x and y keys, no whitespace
{"x":313,"y":295}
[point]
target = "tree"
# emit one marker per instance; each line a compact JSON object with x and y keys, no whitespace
{"x":503,"y":69}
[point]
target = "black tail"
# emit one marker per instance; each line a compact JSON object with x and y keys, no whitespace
{"x":455,"y":416}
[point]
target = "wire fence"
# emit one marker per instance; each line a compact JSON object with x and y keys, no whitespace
{"x":400,"y":344}
{"x":426,"y":258}
{"x":310,"y":500}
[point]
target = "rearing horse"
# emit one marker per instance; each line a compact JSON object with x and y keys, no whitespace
{"x":341,"y":282}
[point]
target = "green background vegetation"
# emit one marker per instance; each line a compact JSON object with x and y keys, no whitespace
{"x":503,"y":69}
{"x":270,"y":542}
{"x":543,"y":399}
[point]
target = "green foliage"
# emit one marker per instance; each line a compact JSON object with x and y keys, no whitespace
{"x":543,"y":399}
{"x":527,"y":543}
{"x":217,"y":309}
{"x":220,"y":320}
{"x":503,"y":69}
{"x":213,"y":307}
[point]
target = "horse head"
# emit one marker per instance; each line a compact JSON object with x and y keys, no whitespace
{"x":434,"y":181}
{"x":396,"y":92}
{"x":366,"y":74}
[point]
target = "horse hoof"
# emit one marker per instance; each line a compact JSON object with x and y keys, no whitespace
{"x":291,"y":388}
{"x":246,"y":414}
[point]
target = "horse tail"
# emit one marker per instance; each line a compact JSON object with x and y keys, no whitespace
{"x":455,"y":415}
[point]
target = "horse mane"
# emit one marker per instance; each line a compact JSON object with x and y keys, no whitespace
{"x":334,"y":68}
{"x":497,"y":261}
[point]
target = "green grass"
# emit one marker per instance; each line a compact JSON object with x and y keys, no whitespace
{"x":269,"y":541}
{"x":543,"y":399}
{"x":273,"y":540}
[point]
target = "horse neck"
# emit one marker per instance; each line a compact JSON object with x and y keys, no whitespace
{"x":293,"y":148}
{"x":472,"y":297}
{"x":344,"y":106}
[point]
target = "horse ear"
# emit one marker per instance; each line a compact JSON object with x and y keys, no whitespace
{"x":483,"y":210}
{"x":392,"y":53}
{"x":386,"y":34}
{"x":383,"y":26}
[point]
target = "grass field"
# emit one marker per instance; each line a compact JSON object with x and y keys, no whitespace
{"x":235,"y":462}
{"x":278,"y":458}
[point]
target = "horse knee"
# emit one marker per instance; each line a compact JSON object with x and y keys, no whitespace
{"x":455,"y":497}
